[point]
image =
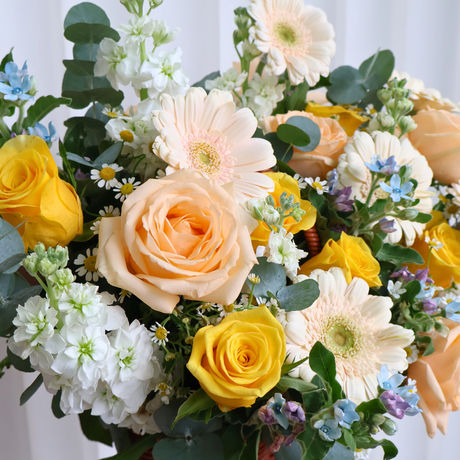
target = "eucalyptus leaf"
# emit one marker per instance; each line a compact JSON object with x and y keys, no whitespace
{"x":18,"y":363}
{"x":233,"y":442}
{"x":207,"y":447}
{"x":310,"y":128}
{"x":42,"y":107}
{"x":86,"y":12}
{"x":283,"y":152}
{"x":11,"y":244}
{"x":29,"y":392}
{"x":347,"y":86}
{"x":135,"y":451}
{"x":339,"y":452}
{"x":292,"y":135}
{"x":293,"y":452}
{"x":377,"y":70}
{"x":109,"y":155}
{"x":298,"y":296}
{"x":202,"y":82}
{"x":93,"y":429}
{"x":82,"y":33}
{"x":79,"y":67}
{"x":12,"y":263}
{"x":85,"y":52}
{"x":272,"y":277}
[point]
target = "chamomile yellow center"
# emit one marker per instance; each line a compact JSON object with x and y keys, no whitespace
{"x":317,"y":186}
{"x":408,"y":351}
{"x":107,"y":173}
{"x":127,"y":189}
{"x":126,"y":136}
{"x":161,"y":333}
{"x":90,"y":263}
{"x":229,"y":308}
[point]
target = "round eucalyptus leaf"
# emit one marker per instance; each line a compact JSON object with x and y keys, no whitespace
{"x":82,"y":33}
{"x":208,"y":447}
{"x":293,"y":135}
{"x":86,"y":12}
{"x":377,"y":70}
{"x":347,"y":86}
{"x":310,"y":128}
{"x":11,"y":244}
{"x":282,"y":151}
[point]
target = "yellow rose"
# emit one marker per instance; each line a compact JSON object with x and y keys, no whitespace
{"x":180,"y":235}
{"x":285,"y":183}
{"x":325,"y":156}
{"x":444,"y":262}
{"x":32,"y":192}
{"x":437,"y":137}
{"x":239,"y":360}
{"x":349,"y":120}
{"x":351,"y":254}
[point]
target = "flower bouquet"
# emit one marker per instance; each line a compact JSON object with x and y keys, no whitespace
{"x":260,"y":265}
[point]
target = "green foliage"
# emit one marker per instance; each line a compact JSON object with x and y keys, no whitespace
{"x":93,"y":429}
{"x":80,"y":68}
{"x":286,"y":368}
{"x":298,"y":296}
{"x":349,"y":439}
{"x":202,"y":82}
{"x":42,"y":107}
{"x":300,"y":385}
{"x":374,"y":406}
{"x":272,"y":277}
{"x":11,"y":245}
{"x":292,"y":135}
{"x":339,"y":452}
{"x":298,"y":98}
{"x":283,"y":152}
{"x":427,"y":343}
{"x":203,"y":448}
{"x":311,"y":130}
{"x":55,"y":405}
{"x":135,"y":451}
{"x":314,"y":400}
{"x":31,"y":390}
{"x":6,"y":59}
{"x":389,"y":449}
{"x":350,"y":85}
{"x":399,"y":255}
{"x":83,"y":33}
{"x":233,"y":442}
{"x":313,"y":447}
{"x":88,"y":13}
{"x":18,"y":363}
{"x":293,"y":452}
{"x":199,"y":401}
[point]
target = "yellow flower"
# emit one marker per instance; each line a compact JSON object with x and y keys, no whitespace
{"x":239,"y":360}
{"x":351,"y":254}
{"x":445,"y":261}
{"x":285,"y":183}
{"x":349,"y":119}
{"x":32,"y":192}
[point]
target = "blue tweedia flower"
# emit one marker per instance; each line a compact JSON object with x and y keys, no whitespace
{"x":386,"y":382}
{"x":328,"y":429}
{"x":276,"y":404}
{"x":410,"y":397}
{"x":17,"y":89}
{"x":48,"y":135}
{"x":452,"y":310}
{"x":11,"y":69}
{"x":387,"y":167}
{"x":344,"y":412}
{"x":427,"y":291}
{"x":396,"y":190}
{"x":332,"y":180}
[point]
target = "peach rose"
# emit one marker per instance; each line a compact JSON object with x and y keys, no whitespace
{"x":324,"y":157}
{"x":437,"y":137}
{"x":438,"y":380}
{"x":180,"y":235}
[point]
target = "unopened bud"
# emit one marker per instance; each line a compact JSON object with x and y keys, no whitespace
{"x":34,"y":86}
{"x":384,"y":95}
{"x":297,"y":213}
{"x":386,"y":120}
{"x":441,"y":328}
{"x":389,"y":427}
{"x":256,"y":208}
{"x":130,"y":5}
{"x":63,"y":278}
{"x":377,"y":419}
{"x":47,"y":268}
{"x":30,"y":263}
{"x":170,"y":356}
{"x":373,"y":430}
{"x":155,"y":3}
{"x":408,"y":214}
{"x":189,"y":340}
{"x":407,"y":124}
{"x":40,"y":250}
{"x":61,"y":255}
{"x":271,"y":215}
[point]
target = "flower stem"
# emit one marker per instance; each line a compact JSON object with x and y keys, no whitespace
{"x":261,"y":66}
{"x":238,"y":96}
{"x":144,"y":91}
{"x":372,"y":190}
{"x":429,"y":257}
{"x":20,"y":121}
{"x":4,"y":129}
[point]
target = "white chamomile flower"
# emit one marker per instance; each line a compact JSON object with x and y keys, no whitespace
{"x":125,"y":188}
{"x":106,"y":176}
{"x":225,"y":310}
{"x":253,"y":279}
{"x":95,"y":227}
{"x":123,"y":294}
{"x":160,"y":334}
{"x":433,"y":243}
{"x":109,"y":211}
{"x":301,"y":181}
{"x":412,"y":353}
{"x":319,"y":185}
{"x":164,"y":390}
{"x":395,"y":289}
{"x":88,"y":268}
{"x":112,"y":112}
{"x":447,"y":298}
{"x":205,"y":308}
{"x":138,"y":29}
{"x":123,"y":130}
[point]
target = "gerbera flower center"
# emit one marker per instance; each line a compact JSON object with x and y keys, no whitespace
{"x":90,"y":263}
{"x":127,"y":189}
{"x":161,"y":333}
{"x":209,"y":155}
{"x":341,"y":336}
{"x":289,"y":33}
{"x":107,"y":173}
{"x":127,"y":136}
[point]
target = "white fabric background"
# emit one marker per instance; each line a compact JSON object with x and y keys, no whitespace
{"x":425,"y":38}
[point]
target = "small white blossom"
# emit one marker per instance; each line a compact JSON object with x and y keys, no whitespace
{"x":264,"y":94}
{"x":88,"y":266}
{"x":161,"y":33}
{"x":271,"y":215}
{"x":138,"y":29}
{"x":395,"y":289}
{"x":165,"y":391}
{"x":229,"y":81}
{"x":109,"y":211}
{"x":95,"y":227}
{"x":412,"y":353}
{"x":106,"y":176}
{"x":301,"y":181}
{"x":142,"y":422}
{"x":112,"y":112}
{"x":433,"y":243}
{"x":123,"y":294}
{"x":319,"y":185}
{"x":253,"y":279}
{"x":125,"y":188}
{"x":160,"y":334}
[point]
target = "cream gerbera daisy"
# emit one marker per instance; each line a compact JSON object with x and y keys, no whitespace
{"x":355,"y":174}
{"x":88,"y":266}
{"x":106,"y":176}
{"x":202,"y":132}
{"x":352,"y":324}
{"x":297,"y":37}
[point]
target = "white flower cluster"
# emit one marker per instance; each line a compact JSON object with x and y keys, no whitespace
{"x":86,"y":348}
{"x":264,"y":94}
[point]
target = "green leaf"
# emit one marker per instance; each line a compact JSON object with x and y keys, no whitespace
{"x":42,"y":107}
{"x":298,"y":296}
{"x":422,"y":218}
{"x":197,"y":402}
{"x":251,"y":449}
{"x":399,"y":255}
{"x":310,"y":128}
{"x":283,"y":152}
{"x":339,"y":452}
{"x":292,"y":135}
{"x":374,"y":406}
{"x":109,"y":155}
{"x":286,"y":368}
{"x":314,"y":400}
{"x":85,"y":52}
{"x":377,"y":70}
{"x":86,"y":12}
{"x":207,"y":447}
{"x":424,"y":322}
{"x":55,"y":405}
{"x":82,"y":68}
{"x":313,"y":447}
{"x":12,"y":262}
{"x":93,"y":429}
{"x":83,"y":33}
{"x":412,"y":290}
{"x":272,"y":277}
{"x":29,"y":392}
{"x":283,"y":167}
{"x":347,"y":86}
{"x":349,"y":439}
{"x":389,"y":449}
{"x":233,"y":442}
{"x":6,"y":59}
{"x":286,"y":382}
{"x":87,"y":233}
{"x":11,"y":244}
{"x":136,"y":450}
{"x":293,"y":452}
{"x":298,"y":99}
{"x":322,"y":362}
{"x":20,"y":364}
{"x":427,"y":341}
{"x":211,"y":76}
{"x":78,"y":159}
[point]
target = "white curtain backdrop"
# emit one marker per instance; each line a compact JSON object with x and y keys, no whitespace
{"x":424,"y":36}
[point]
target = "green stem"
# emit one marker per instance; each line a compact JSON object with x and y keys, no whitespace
{"x":429,"y":257}
{"x":285,"y":153}
{"x":143,"y":50}
{"x":4,"y":129}
{"x":4,"y":363}
{"x":261,"y":67}
{"x":238,"y":96}
{"x":20,"y":121}
{"x":372,"y":190}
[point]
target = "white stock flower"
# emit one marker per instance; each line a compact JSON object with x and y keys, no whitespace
{"x":138,"y":29}
{"x":142,"y":422}
{"x":229,"y":81}
{"x":162,"y":73}
{"x":161,"y":33}
{"x":395,"y":289}
{"x":85,"y":355}
{"x":117,"y":63}
{"x":264,"y":94}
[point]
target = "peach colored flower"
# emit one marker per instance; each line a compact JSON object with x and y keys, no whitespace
{"x":324,"y":157}
{"x":180,"y":235}
{"x":438,"y":380}
{"x":437,"y":137}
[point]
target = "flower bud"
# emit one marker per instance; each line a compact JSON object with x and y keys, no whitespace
{"x":408,"y":214}
{"x":130,"y":5}
{"x":389,"y":427}
{"x":63,"y":277}
{"x":47,"y":268}
{"x":373,"y":430}
{"x":250,"y":51}
{"x":30,"y":263}
{"x":155,"y":3}
{"x":297,"y":213}
{"x":387,"y":226}
{"x":294,"y":412}
{"x":386,"y":120}
{"x":61,"y":255}
{"x":270,"y":201}
{"x":256,"y":208}
{"x":441,"y":328}
{"x":384,"y":95}
{"x":407,"y":124}
{"x":271,"y":216}
{"x":377,"y":419}
{"x":266,"y":415}
{"x":40,"y":250}
{"x":34,"y":86}
{"x":399,"y":93}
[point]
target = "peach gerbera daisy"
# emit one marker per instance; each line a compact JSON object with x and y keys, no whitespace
{"x":352,"y":324}
{"x":297,"y":37}
{"x":204,"y":133}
